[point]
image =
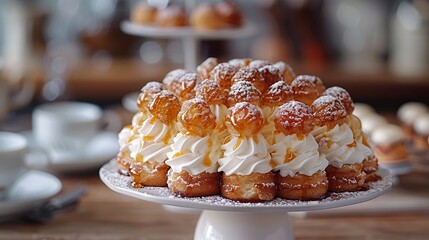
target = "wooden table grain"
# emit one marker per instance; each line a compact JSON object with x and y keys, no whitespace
{"x":104,"y":214}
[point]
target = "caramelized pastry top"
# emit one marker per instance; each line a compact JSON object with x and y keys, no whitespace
{"x":222,"y":74}
{"x":251,"y":75}
{"x":195,"y":118}
{"x":244,"y":119}
{"x":204,"y":69}
{"x":277,"y":94}
{"x":294,"y":117}
{"x":211,"y":92}
{"x":307,"y":88}
{"x":164,"y":106}
{"x":328,"y":111}
{"x":147,"y":92}
{"x":342,"y":95}
{"x":243,"y":91}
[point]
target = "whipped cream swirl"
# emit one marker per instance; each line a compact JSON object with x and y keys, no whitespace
{"x":243,"y":156}
{"x":293,"y":155}
{"x":193,"y":154}
{"x":338,"y":145}
{"x":154,"y":141}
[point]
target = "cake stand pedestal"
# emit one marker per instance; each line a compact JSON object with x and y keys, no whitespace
{"x":223,"y":219}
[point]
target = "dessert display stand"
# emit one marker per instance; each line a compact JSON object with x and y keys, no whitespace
{"x":227,"y":220}
{"x":189,"y":35}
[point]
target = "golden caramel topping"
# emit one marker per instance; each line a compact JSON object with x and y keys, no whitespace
{"x":352,"y":145}
{"x":328,"y":111}
{"x":244,"y":119}
{"x":211,"y":92}
{"x":342,"y":95}
{"x":238,"y":143}
{"x":223,"y":74}
{"x":290,"y":155}
{"x":204,"y":69}
{"x":188,"y":82}
{"x":178,"y":154}
{"x":171,"y":80}
{"x":195,"y":118}
{"x":286,"y":70}
{"x":243,"y":91}
{"x":164,"y":106}
{"x":273,"y":163}
{"x":294,"y":117}
{"x":258,"y":63}
{"x":251,"y":75}
{"x":148,"y":138}
{"x":277,"y":94}
{"x":147,"y":92}
{"x":307,"y":88}
{"x":207,"y":162}
{"x":240,"y":62}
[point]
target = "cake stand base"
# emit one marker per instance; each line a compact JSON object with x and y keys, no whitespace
{"x":223,"y":225}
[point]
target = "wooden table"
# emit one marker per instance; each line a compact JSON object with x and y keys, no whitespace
{"x":103,"y":214}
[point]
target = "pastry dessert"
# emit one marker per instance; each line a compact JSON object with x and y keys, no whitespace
{"x":143,"y":14}
{"x":243,"y":132}
{"x":215,"y":97}
{"x":251,"y":75}
{"x":299,"y":168}
{"x":156,"y":134}
{"x":171,"y":16}
{"x":243,"y":91}
{"x":372,"y":122}
{"x":286,"y":70}
{"x":390,"y":144}
{"x":335,"y":138}
{"x":307,"y":88}
{"x":222,"y":74}
{"x":370,"y":163}
{"x":230,"y":13}
{"x":130,"y":133}
{"x":206,"y":16}
{"x":247,"y":175}
{"x":204,"y":69}
{"x":421,"y":130}
{"x":362,"y":110}
{"x":277,"y":94}
{"x":407,"y":114}
{"x":194,"y":152}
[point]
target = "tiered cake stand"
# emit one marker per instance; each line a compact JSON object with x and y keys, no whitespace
{"x":228,"y":220}
{"x":190,"y":36}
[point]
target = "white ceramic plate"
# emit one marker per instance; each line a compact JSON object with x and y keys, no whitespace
{"x":121,"y":184}
{"x":246,"y":30}
{"x":129,"y":102}
{"x":98,"y":151}
{"x":31,"y":190}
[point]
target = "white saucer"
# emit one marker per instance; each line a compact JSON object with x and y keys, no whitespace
{"x":98,"y":151}
{"x":129,"y":102}
{"x":399,"y":168}
{"x":32,"y":190}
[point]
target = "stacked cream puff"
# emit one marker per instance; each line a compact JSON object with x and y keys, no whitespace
{"x":248,"y":130}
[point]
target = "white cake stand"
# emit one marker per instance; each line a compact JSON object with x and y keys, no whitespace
{"x":190,"y":36}
{"x":228,"y":220}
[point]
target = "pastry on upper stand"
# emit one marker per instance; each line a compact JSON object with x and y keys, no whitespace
{"x":390,"y":144}
{"x":206,"y":16}
{"x":156,"y":134}
{"x":335,"y":138}
{"x":370,"y":163}
{"x":204,"y":69}
{"x":247,"y":173}
{"x":251,"y":75}
{"x":307,"y":88}
{"x":286,"y":70}
{"x":215,"y":97}
{"x":222,"y":74}
{"x":130,"y":132}
{"x":143,"y":14}
{"x":298,"y":165}
{"x":230,"y":13}
{"x":277,"y":94}
{"x":171,"y":16}
{"x":194,"y":152}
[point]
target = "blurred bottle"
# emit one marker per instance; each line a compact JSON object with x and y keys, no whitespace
{"x":409,"y":39}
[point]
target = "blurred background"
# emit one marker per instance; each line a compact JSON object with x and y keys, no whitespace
{"x":76,"y":50}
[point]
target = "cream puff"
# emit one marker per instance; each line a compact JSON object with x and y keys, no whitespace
{"x":390,"y":144}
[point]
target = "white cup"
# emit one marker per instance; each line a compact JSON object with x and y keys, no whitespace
{"x":65,"y":126}
{"x":13,"y":149}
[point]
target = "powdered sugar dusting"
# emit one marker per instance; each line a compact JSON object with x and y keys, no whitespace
{"x":307,"y":81}
{"x":293,"y":114}
{"x":120,"y":183}
{"x":342,"y":95}
{"x":153,"y":87}
{"x":328,"y":108}
{"x":243,"y":91}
